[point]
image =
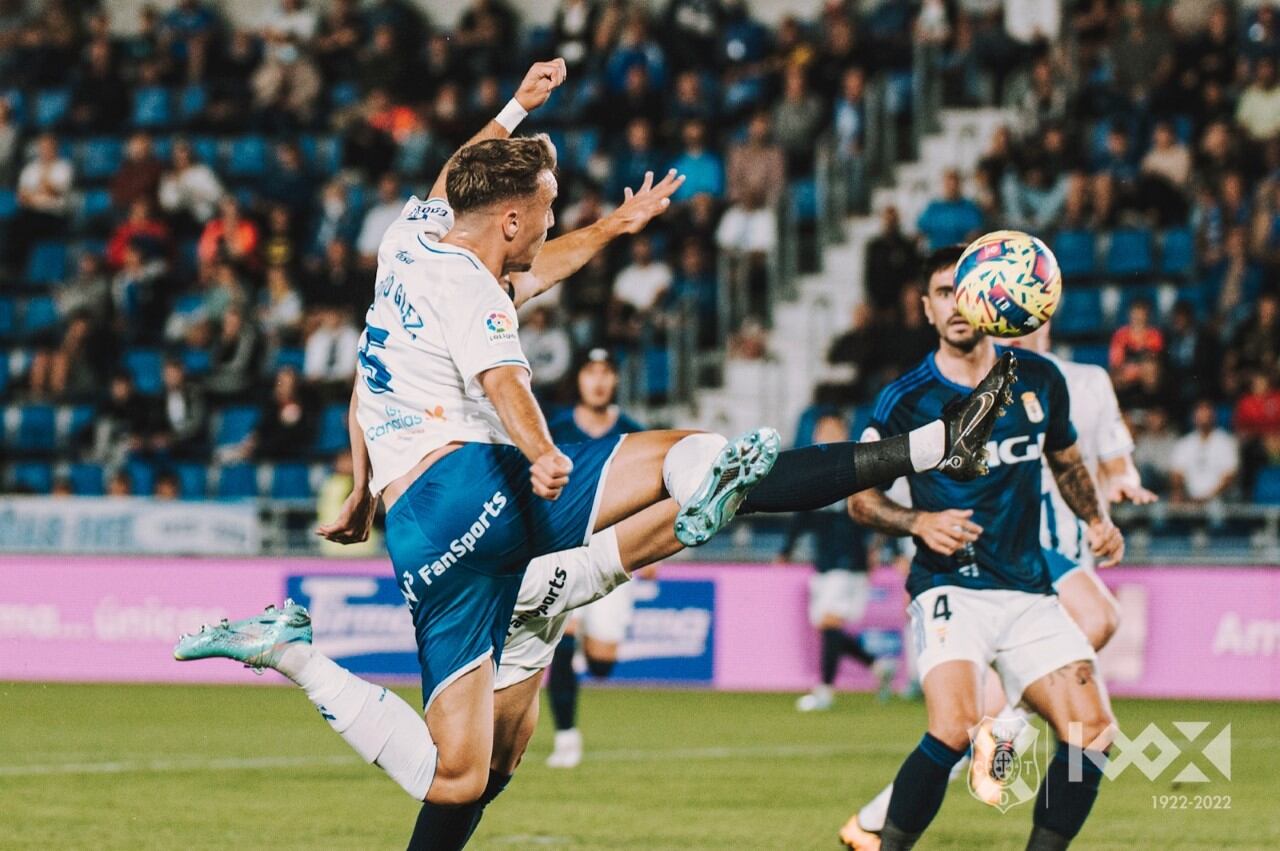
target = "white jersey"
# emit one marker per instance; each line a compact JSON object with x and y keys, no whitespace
{"x":437,"y":321}
{"x":1101,"y":436}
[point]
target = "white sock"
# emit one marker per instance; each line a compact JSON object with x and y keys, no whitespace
{"x":873,"y":816}
{"x":380,"y":726}
{"x":1011,"y":712}
{"x":959,"y":768}
{"x":687,"y":463}
{"x":928,"y":446}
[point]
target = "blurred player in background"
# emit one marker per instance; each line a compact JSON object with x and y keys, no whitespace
{"x":603,"y":624}
{"x":986,"y":597}
{"x":839,"y":587}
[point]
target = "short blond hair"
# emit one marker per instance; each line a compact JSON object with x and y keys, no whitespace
{"x":498,"y":170}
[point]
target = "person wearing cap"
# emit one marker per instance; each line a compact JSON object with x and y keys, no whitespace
{"x":603,"y":624}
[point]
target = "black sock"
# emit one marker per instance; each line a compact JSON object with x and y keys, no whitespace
{"x":443,"y":827}
{"x":600,"y":668}
{"x":497,"y":782}
{"x":562,"y":685}
{"x":816,"y":476}
{"x":836,"y":643}
{"x":1063,"y":804}
{"x":921,"y":784}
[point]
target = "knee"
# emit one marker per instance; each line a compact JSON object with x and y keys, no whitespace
{"x":1098,"y":622}
{"x":458,"y":786}
{"x":955,"y":731}
{"x":1095,"y":731}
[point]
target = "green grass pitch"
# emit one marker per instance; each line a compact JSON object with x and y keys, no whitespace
{"x":131,"y":767}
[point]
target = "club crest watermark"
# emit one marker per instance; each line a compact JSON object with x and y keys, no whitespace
{"x":1006,"y":767}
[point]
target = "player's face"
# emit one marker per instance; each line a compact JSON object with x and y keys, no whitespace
{"x":527,"y":228}
{"x":597,"y":382}
{"x":940,"y":309}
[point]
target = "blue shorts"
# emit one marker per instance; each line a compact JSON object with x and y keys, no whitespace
{"x":461,"y":536}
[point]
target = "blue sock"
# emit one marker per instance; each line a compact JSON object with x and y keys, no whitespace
{"x":497,"y":782}
{"x":562,"y":685}
{"x":443,"y":827}
{"x":1063,"y":804}
{"x":921,"y":784}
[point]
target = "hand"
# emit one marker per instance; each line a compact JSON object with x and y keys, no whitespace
{"x":946,"y":531}
{"x":354,"y":520}
{"x":1106,"y":542}
{"x":1121,"y":491}
{"x":638,"y":208}
{"x":539,"y":82}
{"x":550,"y":473}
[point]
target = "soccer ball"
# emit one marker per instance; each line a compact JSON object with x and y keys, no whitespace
{"x":1007,"y":283}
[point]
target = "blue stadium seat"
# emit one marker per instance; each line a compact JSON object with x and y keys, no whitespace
{"x":8,"y":322}
{"x":809,"y":421}
{"x":582,"y":145}
{"x":96,"y":203}
{"x":152,"y":107}
{"x":8,"y":204}
{"x":47,"y":263}
{"x":237,"y":481}
{"x":290,"y":481}
{"x":1266,"y":490}
{"x":198,"y":362}
{"x":343,"y":94}
{"x":75,"y":423}
{"x":1080,"y":313}
{"x":1178,"y":253}
{"x":322,"y":154}
{"x":143,"y":475}
{"x":247,"y":157}
{"x":193,"y":480}
{"x":51,"y":107}
{"x":32,"y":476}
{"x":37,"y":429}
{"x":1130,"y":294}
{"x":234,"y":424}
{"x":146,"y":367}
{"x":803,"y":200}
{"x":100,"y":158}
{"x":1094,"y":354}
{"x":289,"y":357}
{"x":1076,"y":251}
{"x":87,"y":479}
{"x":331,"y":435}
{"x":192,"y":102}
{"x":1130,"y":253}
{"x":40,"y":316}
{"x":205,"y":149}
{"x":17,"y":105}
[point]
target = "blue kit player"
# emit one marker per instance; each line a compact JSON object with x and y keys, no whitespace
{"x":981,"y":587}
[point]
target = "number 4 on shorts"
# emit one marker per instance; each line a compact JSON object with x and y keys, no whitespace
{"x":941,"y":608}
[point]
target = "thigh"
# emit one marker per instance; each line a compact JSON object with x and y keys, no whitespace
{"x":461,"y":722}
{"x":515,"y":717}
{"x":634,"y":478}
{"x":953,"y":699}
{"x":1039,"y":641}
{"x":1073,"y":700}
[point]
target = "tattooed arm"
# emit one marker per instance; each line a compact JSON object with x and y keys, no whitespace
{"x":941,"y":531}
{"x":1078,"y":491}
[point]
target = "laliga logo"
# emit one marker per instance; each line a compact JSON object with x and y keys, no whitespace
{"x":497,"y":323}
{"x":1005,"y":771}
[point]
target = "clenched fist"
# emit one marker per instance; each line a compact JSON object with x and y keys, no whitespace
{"x":550,"y":473}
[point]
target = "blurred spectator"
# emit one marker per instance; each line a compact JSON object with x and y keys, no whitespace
{"x":1154,"y":443}
{"x":1168,"y":158}
{"x":338,"y":283}
{"x":339,"y":36}
{"x":695,"y":283}
{"x":691,"y":102}
{"x":1233,"y":283}
{"x":692,"y":26}
{"x":287,"y":85}
{"x":572,"y":29}
{"x":140,"y":225}
{"x":279,"y":247}
{"x":44,"y":197}
{"x":381,"y":66}
{"x":61,"y":487}
{"x":285,"y":425}
{"x":1194,"y":358}
{"x":644,"y":282}
{"x":119,"y":484}
{"x":547,"y":346}
{"x":236,"y":355}
{"x":280,"y":309}
{"x":378,"y":218}
{"x":891,"y":262}
{"x":139,"y":174}
{"x":996,"y":162}
{"x":756,"y":176}
{"x":166,"y":486}
{"x":849,"y":123}
{"x":70,"y":367}
{"x":287,"y":181}
{"x":333,"y":493}
{"x":1256,"y":344}
{"x":1032,"y":200}
{"x":138,"y":292}
{"x":1134,"y":356}
{"x":485,"y":33}
{"x":1259,"y":109}
{"x":100,"y":96}
{"x":335,"y":220}
{"x":1256,"y":421}
{"x":122,"y":423}
{"x":636,"y":156}
{"x":636,"y":48}
{"x":1044,"y":101}
{"x":750,"y":341}
{"x":230,"y":236}
{"x":292,"y":20}
{"x":189,"y":190}
{"x":1204,"y":462}
{"x":951,"y":218}
{"x":797,"y":118}
{"x":184,"y":416}
{"x":9,"y":136}
{"x":702,"y":168}
{"x":330,"y":352}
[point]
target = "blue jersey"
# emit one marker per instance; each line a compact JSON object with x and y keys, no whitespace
{"x":1005,"y":503}
{"x":564,"y":428}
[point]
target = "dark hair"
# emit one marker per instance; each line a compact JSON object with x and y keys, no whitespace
{"x":497,"y":170}
{"x":941,"y":258}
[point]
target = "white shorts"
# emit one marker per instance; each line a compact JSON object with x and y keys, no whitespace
{"x":838,"y":593}
{"x":553,"y":586}
{"x":1025,"y":636}
{"x":607,"y":619}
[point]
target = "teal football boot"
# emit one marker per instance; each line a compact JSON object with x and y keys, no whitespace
{"x":257,"y":641}
{"x":742,"y":463}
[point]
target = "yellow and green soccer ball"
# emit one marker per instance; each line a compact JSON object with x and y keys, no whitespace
{"x":1007,"y":283}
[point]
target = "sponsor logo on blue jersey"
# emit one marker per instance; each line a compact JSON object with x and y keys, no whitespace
{"x":460,"y":546}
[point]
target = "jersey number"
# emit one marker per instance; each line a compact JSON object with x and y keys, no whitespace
{"x":941,"y":608}
{"x":376,"y":375}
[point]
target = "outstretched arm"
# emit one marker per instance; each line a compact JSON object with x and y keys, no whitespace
{"x":563,"y":256}
{"x":507,"y":387}
{"x":534,"y":90}
{"x":1078,"y":491}
{"x":353,"y":522}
